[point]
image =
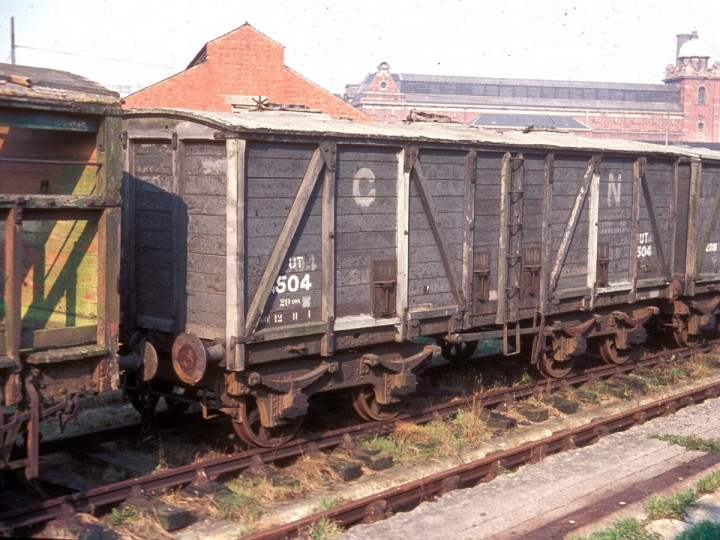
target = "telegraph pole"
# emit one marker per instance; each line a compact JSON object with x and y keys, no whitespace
{"x":12,"y":40}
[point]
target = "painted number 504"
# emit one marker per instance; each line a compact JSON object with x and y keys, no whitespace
{"x":644,"y":251}
{"x":292,"y":283}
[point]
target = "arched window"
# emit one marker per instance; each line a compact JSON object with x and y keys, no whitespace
{"x":701,"y":95}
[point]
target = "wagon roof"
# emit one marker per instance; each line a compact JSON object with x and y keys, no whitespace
{"x":320,"y":125}
{"x":53,"y":89}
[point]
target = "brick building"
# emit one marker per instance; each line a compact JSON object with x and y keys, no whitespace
{"x":684,"y":109}
{"x":232,"y":72}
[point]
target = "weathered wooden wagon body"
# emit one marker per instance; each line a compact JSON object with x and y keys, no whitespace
{"x":272,"y":255}
{"x":60,"y":171}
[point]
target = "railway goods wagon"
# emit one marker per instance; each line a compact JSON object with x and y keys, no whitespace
{"x":272,"y":255}
{"x":60,"y":172}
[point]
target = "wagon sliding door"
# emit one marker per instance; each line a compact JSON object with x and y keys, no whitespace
{"x":321,"y":246}
{"x":288,"y":232}
{"x":634,"y":204}
{"x":610,"y":228}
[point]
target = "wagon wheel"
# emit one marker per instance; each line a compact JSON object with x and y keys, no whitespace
{"x":550,"y":367}
{"x":139,"y":396}
{"x":458,"y":352}
{"x":681,"y":335}
{"x":174,"y":406}
{"x":251,"y":431}
{"x":611,"y":354}
{"x":368,"y":408}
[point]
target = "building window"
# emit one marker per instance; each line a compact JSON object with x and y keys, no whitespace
{"x":701,"y":95}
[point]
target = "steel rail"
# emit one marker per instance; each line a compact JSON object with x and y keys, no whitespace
{"x":371,"y":507}
{"x":95,"y":498}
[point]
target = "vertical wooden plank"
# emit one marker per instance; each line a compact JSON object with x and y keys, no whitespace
{"x":634,"y":224}
{"x":672,"y":226}
{"x":402,"y":241}
{"x":505,"y":179}
{"x":111,"y":172}
{"x":13,"y":283}
{"x":327,"y":344}
{"x":128,"y":286}
{"x":692,"y":230}
{"x":546,"y":236}
{"x":235,"y":255}
{"x":468,"y":236}
{"x":179,"y":235}
{"x":593,"y":232}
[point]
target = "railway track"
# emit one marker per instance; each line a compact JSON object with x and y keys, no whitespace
{"x":96,"y":498}
{"x":375,"y":507}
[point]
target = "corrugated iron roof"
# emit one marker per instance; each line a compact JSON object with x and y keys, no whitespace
{"x":27,"y":84}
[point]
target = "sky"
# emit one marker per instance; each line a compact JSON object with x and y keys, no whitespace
{"x":139,"y":42}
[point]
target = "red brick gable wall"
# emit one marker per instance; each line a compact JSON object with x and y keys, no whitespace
{"x":242,"y":62}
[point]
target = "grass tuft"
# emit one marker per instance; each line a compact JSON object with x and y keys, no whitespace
{"x":439,"y":438}
{"x":327,"y":504}
{"x":325,"y":528}
{"x":123,"y":515}
{"x":239,"y":506}
{"x":709,"y":483}
{"x":690,"y":442}
{"x":669,"y":506}
{"x":622,"y":529}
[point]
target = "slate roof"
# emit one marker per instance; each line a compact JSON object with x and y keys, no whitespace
{"x":486,"y":91}
{"x":509,"y":120}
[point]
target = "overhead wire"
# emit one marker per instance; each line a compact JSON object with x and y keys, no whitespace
{"x":89,"y":56}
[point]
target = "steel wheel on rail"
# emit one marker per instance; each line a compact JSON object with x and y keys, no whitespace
{"x":458,"y":352}
{"x":611,"y":354}
{"x":368,"y":408}
{"x":251,"y":431}
{"x":681,"y":334}
{"x":551,"y":368}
